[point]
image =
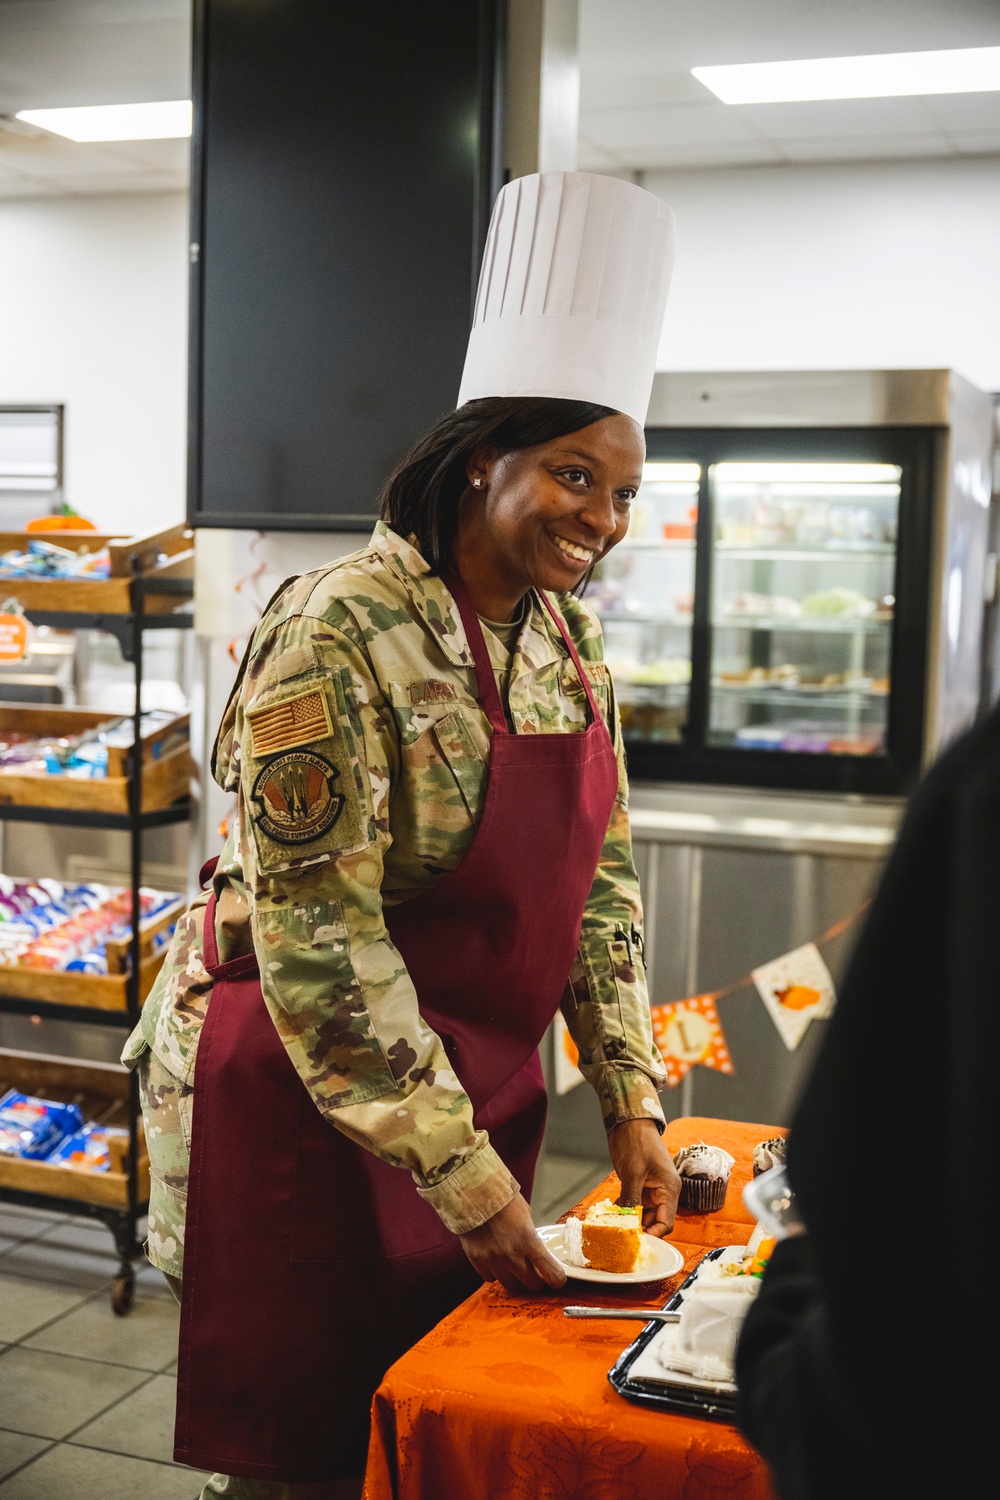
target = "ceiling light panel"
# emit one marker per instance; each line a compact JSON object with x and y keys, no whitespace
{"x":964,"y":70}
{"x":164,"y":120}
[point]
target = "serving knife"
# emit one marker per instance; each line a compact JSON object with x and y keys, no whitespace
{"x":644,"y":1314}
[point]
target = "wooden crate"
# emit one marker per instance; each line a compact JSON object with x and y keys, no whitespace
{"x":156,"y":554}
{"x":165,"y":778}
{"x":101,"y":1090}
{"x":96,"y":991}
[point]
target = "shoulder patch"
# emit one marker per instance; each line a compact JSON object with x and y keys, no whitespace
{"x":294,"y":797}
{"x":298,"y":720}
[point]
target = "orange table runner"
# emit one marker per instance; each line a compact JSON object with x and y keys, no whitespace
{"x":506,"y":1399}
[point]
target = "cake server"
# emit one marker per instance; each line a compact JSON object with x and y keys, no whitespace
{"x":645,"y":1314}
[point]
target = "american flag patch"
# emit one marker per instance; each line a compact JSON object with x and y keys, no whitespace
{"x":293,"y":721}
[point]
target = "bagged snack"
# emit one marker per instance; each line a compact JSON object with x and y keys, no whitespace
{"x":95,"y":1148}
{"x":31,"y":1128}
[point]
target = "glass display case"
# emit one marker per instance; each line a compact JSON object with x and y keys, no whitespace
{"x":645,"y":596}
{"x":782,"y":607}
{"x":803,"y":579}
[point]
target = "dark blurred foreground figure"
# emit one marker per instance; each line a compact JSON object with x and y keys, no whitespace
{"x":866,"y":1363}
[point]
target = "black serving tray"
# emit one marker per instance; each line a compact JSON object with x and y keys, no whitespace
{"x":710,"y":1403}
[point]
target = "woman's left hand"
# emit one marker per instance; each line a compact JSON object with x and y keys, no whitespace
{"x":646,"y":1172}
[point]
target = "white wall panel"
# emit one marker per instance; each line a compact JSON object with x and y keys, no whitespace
{"x":882,"y":265}
{"x":93,"y":313}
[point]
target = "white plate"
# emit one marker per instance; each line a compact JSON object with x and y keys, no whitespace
{"x":657,"y":1258}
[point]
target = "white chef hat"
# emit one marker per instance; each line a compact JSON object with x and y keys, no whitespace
{"x":572,"y":292}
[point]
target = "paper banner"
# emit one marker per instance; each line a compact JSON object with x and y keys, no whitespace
{"x":567,"y":1057}
{"x":796,"y":989}
{"x":690,"y":1032}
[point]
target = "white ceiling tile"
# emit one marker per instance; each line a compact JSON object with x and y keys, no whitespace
{"x":966,"y":111}
{"x":161,"y":156}
{"x":822,"y":120}
{"x":746,"y":153}
{"x":978,"y":142}
{"x":674,"y":124}
{"x":631,"y":86}
{"x":593,"y":157}
{"x":734,"y":31}
{"x":866,"y":148}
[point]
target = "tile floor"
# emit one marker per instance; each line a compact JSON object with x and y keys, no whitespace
{"x":87,"y":1399}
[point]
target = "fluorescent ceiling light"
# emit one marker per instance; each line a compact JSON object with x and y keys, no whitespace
{"x":659,"y":473}
{"x":770,"y":473}
{"x":964,"y":70}
{"x":115,"y":122}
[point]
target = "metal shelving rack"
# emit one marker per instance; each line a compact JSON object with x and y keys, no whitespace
{"x":129,"y":630}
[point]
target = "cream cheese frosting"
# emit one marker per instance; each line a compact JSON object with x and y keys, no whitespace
{"x":703,"y":1161}
{"x":768,"y":1154}
{"x":712,"y":1314}
{"x":573,"y":1243}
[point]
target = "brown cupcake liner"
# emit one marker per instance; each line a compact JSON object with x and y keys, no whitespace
{"x":703,"y":1195}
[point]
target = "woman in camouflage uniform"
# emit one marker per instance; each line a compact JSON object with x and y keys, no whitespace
{"x":431,"y":855}
{"x":410,"y":745}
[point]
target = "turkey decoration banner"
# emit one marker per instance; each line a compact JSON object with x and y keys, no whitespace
{"x":796,"y":988}
{"x":690,"y":1032}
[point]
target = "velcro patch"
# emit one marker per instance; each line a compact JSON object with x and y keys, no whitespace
{"x":295,"y":798}
{"x":431,"y":692}
{"x":294,"y":721}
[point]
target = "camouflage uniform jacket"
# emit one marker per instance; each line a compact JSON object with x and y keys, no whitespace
{"x":358,"y":753}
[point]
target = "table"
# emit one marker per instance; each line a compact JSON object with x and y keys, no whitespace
{"x":506,"y":1399}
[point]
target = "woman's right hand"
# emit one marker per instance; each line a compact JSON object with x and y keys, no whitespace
{"x":507,"y":1249}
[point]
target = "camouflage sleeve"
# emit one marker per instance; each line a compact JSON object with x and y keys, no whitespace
{"x":318,"y":760}
{"x":606,"y":1004}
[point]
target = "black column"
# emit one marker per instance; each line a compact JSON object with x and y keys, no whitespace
{"x":345,"y":160}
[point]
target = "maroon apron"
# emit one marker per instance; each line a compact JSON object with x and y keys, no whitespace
{"x":309,"y":1264}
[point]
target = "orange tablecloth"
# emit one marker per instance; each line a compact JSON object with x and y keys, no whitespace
{"x":508,"y":1400}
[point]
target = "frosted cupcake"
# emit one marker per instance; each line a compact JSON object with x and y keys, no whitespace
{"x":704,"y":1172}
{"x":768,"y":1154}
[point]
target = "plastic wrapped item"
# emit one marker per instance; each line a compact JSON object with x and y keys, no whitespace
{"x":43,"y":559}
{"x":69,"y":933}
{"x":771,"y":1200}
{"x":94,"y":1148}
{"x":85,"y":755}
{"x":31,"y":1128}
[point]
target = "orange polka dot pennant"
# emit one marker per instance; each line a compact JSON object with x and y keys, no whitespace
{"x":688,"y":1033}
{"x":566,"y":1057}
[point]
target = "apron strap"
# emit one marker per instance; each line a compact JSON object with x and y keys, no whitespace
{"x":236,"y":968}
{"x":489,"y":695}
{"x":595,"y":717}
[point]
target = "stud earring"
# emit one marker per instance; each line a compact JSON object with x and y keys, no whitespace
{"x":477,"y":484}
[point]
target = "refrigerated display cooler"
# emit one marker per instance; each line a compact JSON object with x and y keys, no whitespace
{"x":798,"y":603}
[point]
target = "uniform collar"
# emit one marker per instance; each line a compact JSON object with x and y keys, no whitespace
{"x":539,"y":642}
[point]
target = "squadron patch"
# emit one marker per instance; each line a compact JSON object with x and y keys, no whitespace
{"x":295,"y":798}
{"x":300,"y":720}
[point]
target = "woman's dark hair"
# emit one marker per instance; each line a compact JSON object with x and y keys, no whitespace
{"x":421,"y":495}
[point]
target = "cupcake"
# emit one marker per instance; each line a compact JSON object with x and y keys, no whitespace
{"x":704,"y":1172}
{"x":768,"y":1154}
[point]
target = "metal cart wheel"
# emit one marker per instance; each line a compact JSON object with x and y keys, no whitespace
{"x":123,"y":1290}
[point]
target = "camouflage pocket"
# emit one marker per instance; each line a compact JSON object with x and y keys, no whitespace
{"x":617,"y":1001}
{"x":443,"y":773}
{"x":571,"y":688}
{"x":303,"y":775}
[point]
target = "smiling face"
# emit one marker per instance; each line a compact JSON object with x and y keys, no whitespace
{"x":541,"y":517}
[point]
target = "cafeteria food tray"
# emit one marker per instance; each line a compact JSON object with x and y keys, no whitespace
{"x":674,"y":1393}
